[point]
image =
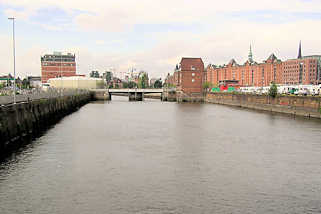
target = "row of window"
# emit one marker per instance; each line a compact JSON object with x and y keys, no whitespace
{"x":58,"y":60}
{"x":58,"y":64}
{"x":63,"y":71}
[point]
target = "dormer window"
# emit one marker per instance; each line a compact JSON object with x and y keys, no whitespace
{"x":193,"y":68}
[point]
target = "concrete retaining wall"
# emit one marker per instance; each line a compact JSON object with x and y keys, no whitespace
{"x":29,"y":119}
{"x":169,"y":94}
{"x":295,"y":105}
{"x":193,"y":98}
{"x":101,"y":95}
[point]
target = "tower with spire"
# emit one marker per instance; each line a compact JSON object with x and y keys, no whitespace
{"x":250,"y":55}
{"x":300,"y":53}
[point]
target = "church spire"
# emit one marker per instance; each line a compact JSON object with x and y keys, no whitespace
{"x":250,"y":54}
{"x":300,"y":53}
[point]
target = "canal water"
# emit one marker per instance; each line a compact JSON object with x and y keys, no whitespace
{"x":160,"y":157}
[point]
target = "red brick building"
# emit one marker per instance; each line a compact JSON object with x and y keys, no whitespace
{"x":249,"y":74}
{"x":57,"y":65}
{"x":188,"y":76}
{"x":172,"y":80}
{"x":303,"y":70}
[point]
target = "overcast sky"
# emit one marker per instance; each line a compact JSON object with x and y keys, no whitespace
{"x":153,"y":35}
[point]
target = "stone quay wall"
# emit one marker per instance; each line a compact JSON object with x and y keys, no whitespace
{"x":295,"y":105}
{"x":28,"y":119}
{"x":101,"y":95}
{"x":169,"y":94}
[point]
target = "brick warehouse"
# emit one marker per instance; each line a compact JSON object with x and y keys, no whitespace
{"x":188,"y":76}
{"x":57,"y":65}
{"x":303,"y":70}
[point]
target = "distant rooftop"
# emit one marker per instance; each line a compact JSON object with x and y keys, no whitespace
{"x":312,"y":56}
{"x":304,"y":57}
{"x":59,"y":56}
{"x":75,"y":78}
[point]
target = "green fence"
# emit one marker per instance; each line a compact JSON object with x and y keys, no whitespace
{"x":217,"y":89}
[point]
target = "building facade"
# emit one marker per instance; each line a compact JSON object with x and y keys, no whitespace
{"x":303,"y":70}
{"x":6,"y":80}
{"x":57,"y":65}
{"x":250,"y":73}
{"x":34,"y":81}
{"x":77,"y":82}
{"x":188,"y":76}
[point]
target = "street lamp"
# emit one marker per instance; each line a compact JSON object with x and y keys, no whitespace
{"x":60,"y":75}
{"x":14,"y":61}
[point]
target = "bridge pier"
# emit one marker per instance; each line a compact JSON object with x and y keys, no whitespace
{"x":170,"y":96}
{"x":136,"y":96}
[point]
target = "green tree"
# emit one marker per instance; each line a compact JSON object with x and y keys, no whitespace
{"x":125,"y":85}
{"x":143,"y":81}
{"x":158,"y":83}
{"x":108,"y":76}
{"x":207,"y":85}
{"x":132,"y":84}
{"x":25,"y":83}
{"x":94,"y":74}
{"x":169,"y":85}
{"x":273,"y":91}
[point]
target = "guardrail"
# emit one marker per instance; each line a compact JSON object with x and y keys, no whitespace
{"x":38,"y":94}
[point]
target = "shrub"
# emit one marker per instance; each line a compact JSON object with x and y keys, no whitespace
{"x":273,"y":91}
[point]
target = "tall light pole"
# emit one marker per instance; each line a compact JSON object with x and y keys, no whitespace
{"x":60,"y":75}
{"x":14,"y":61}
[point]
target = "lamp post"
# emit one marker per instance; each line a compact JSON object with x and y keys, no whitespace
{"x":60,"y":75}
{"x":14,"y":61}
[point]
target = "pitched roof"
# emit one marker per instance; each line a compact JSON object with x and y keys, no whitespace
{"x":232,"y":62}
{"x":272,"y":57}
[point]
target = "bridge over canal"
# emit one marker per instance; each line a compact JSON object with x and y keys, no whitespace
{"x":134,"y":94}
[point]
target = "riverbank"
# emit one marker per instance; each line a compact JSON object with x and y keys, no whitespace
{"x":295,"y":105}
{"x":28,"y":119}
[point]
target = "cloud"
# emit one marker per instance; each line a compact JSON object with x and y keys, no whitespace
{"x":19,"y":14}
{"x":106,"y":22}
{"x":27,"y":59}
{"x":216,"y":47}
{"x":121,"y":15}
{"x":219,"y":47}
{"x":214,"y":30}
{"x":100,"y":42}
